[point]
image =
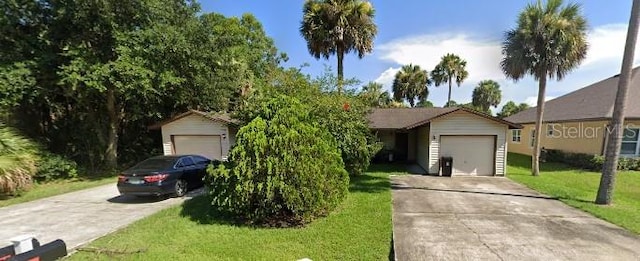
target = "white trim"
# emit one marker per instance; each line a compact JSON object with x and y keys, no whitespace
{"x":519,"y":131}
{"x":637,"y":142}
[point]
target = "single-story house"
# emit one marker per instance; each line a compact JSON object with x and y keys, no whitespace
{"x":196,"y":132}
{"x":578,"y":121}
{"x":477,"y":142}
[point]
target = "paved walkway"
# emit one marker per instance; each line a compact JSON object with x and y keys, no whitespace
{"x":78,"y":217}
{"x":488,"y":218}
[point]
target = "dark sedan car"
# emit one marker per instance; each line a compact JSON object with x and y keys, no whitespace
{"x":163,"y":175}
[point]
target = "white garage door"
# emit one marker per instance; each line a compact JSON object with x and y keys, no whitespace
{"x":472,"y":155}
{"x":208,"y":146}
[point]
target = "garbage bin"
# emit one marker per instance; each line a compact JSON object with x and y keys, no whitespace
{"x":446,"y":163}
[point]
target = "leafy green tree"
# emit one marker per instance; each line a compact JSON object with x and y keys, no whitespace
{"x":549,"y":41}
{"x":424,"y":104}
{"x":451,"y":103}
{"x":285,"y":168}
{"x":107,"y":69}
{"x":338,"y":27}
{"x":451,"y":68}
{"x":410,"y":83}
{"x":612,"y":152}
{"x":486,"y":94}
{"x":373,"y":94}
{"x":510,"y":108}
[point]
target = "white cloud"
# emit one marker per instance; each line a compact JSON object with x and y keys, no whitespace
{"x":386,"y":77}
{"x":533,"y":100}
{"x":606,"y":43}
{"x":482,"y":56}
{"x":606,"y":46}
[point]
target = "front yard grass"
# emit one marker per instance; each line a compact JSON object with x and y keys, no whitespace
{"x":360,"y":229}
{"x":578,"y":188}
{"x":48,"y":189}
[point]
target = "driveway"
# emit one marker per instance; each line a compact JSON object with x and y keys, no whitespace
{"x":78,"y":217}
{"x":489,"y":218}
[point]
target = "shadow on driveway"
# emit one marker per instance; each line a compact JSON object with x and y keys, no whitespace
{"x":396,"y":186}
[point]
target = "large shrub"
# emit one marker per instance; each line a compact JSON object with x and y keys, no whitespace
{"x":589,"y":161}
{"x":344,"y":116}
{"x":53,"y":166}
{"x":17,"y":161}
{"x":284,"y":169}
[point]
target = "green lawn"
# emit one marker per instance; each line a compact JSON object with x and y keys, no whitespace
{"x":578,"y":188}
{"x":359,"y":229}
{"x":53,"y":188}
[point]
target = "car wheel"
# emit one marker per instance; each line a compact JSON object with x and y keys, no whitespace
{"x":181,"y":188}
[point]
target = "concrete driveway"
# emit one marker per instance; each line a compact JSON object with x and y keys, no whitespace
{"x":485,"y":218}
{"x":78,"y":217}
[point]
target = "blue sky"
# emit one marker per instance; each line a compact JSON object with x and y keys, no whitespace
{"x":420,"y":32}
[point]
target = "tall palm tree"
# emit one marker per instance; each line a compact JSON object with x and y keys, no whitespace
{"x":608,"y":178}
{"x":450,"y":68}
{"x":338,"y":27}
{"x":410,"y":83}
{"x":548,"y":42}
{"x":486,"y":94}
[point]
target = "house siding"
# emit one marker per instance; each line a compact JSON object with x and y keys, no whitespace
{"x":464,"y":123}
{"x":388,"y":139}
{"x":578,"y":137}
{"x":422,"y":140}
{"x":195,"y":125}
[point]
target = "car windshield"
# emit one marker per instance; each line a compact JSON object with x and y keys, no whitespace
{"x":157,"y":163}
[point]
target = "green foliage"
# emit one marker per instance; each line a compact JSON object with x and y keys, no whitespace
{"x":510,"y":108}
{"x":450,"y":68}
{"x":589,"y":161}
{"x":451,"y":103}
{"x":285,"y":169}
{"x":373,"y":95}
{"x":343,"y":115}
{"x":338,"y":27}
{"x":18,"y":156}
{"x":410,"y":83}
{"x":108,"y":69}
{"x":549,"y":40}
{"x":425,"y":104}
{"x":486,"y":94}
{"x":52,"y":166}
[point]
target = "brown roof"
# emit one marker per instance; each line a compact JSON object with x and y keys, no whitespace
{"x":589,"y":103}
{"x":221,"y":117}
{"x":408,"y":118}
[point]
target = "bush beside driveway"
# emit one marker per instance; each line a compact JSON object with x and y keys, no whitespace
{"x":359,"y":229}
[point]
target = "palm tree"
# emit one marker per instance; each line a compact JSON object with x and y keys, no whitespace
{"x":548,"y":42}
{"x":612,"y":152}
{"x":374,"y":95}
{"x":487,"y":94}
{"x":450,"y":68}
{"x":338,"y":27}
{"x":410,"y":83}
{"x":511,"y":108}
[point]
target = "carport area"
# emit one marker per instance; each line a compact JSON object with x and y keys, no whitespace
{"x":492,"y":218}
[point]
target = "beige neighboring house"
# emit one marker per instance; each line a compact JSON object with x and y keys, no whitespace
{"x":196,"y":132}
{"x":476,"y":141}
{"x":578,"y":121}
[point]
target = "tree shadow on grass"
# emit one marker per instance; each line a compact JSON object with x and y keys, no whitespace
{"x":524,"y":161}
{"x":199,"y":209}
{"x":369,"y":184}
{"x":387,"y":168}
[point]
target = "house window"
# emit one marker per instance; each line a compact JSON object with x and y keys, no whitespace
{"x":533,"y":138}
{"x":515,"y":135}
{"x":630,"y":142}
